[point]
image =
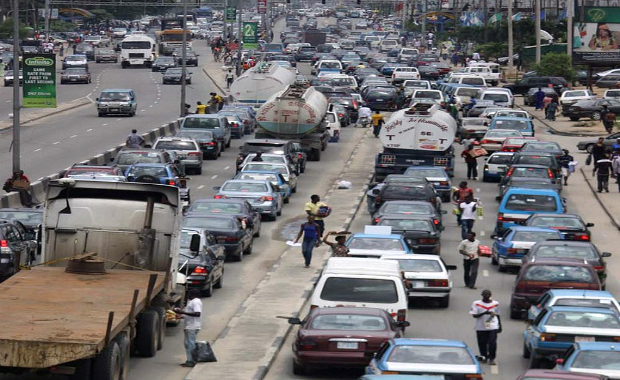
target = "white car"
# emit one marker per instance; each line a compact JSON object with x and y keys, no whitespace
{"x":427,"y":276}
{"x":495,"y":166}
{"x":333,"y":125}
{"x":281,"y":168}
{"x":186,"y":149}
{"x":607,"y":72}
{"x":434,"y":95}
{"x":612,"y":94}
{"x":573,"y":96}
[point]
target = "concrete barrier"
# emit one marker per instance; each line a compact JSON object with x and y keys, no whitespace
{"x":38,"y":188}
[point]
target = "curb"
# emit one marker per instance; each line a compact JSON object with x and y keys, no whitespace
{"x":204,"y":69}
{"x":615,"y":222}
{"x":79,"y":102}
{"x":553,"y":130}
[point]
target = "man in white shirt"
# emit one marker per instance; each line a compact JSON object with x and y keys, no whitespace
{"x":469,"y":249}
{"x":488,"y":325}
{"x":468,"y":216}
{"x":192,"y":313}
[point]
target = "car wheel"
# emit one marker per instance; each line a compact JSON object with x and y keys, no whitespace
{"x":239,"y":257}
{"x":573,"y":118}
{"x":534,"y":360}
{"x":444,"y":302}
{"x":526,"y":351}
{"x":101,"y":114}
{"x":302,"y":169}
{"x":257,"y":233}
{"x":515,"y":314}
{"x":287,"y":200}
{"x":208,"y":291}
{"x":199,"y":170}
{"x":220,"y":281}
{"x":248,"y":250}
{"x":502,"y":268}
{"x":493,"y":260}
{"x":596,"y":115}
{"x":298,"y":369}
{"x":294,"y":190}
{"x":228,"y":145}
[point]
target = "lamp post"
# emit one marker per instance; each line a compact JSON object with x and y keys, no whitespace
{"x":183,"y":60}
{"x":16,"y":100}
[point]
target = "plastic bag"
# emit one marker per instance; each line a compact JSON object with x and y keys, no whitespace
{"x":344,"y":184}
{"x":203,"y":353}
{"x":324,"y":211}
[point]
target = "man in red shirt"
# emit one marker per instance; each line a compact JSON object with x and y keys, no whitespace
{"x":471,"y":161}
{"x":459,"y":196}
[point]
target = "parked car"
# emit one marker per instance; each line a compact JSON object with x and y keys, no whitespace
{"x":529,"y":98}
{"x":202,"y":267}
{"x":590,"y":108}
{"x":608,"y":141}
{"x":521,"y":87}
{"x":573,"y":96}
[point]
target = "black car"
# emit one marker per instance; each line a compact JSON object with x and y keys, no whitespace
{"x":429,"y":72}
{"x":420,"y":233}
{"x":305,"y":53}
{"x":535,"y":158}
{"x":363,"y":73}
{"x":174,"y":75}
{"x":209,"y":144}
{"x":228,"y":230}
{"x":381,"y":98}
{"x":191,"y":59}
{"x":349,"y":104}
{"x":405,"y":192}
{"x":608,"y":141}
{"x":13,"y":249}
{"x":163,"y":63}
{"x":590,"y":108}
{"x":529,"y":98}
{"x":235,"y":207}
{"x":202,"y":264}
{"x":413,"y":208}
{"x":570,"y":225}
{"x":545,"y":147}
{"x":521,"y":87}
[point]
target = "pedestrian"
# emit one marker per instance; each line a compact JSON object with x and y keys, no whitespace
{"x":61,"y":52}
{"x":187,"y":110}
{"x":471,"y":160}
{"x":551,"y":110}
{"x":230,"y":77}
{"x":192,"y":313}
{"x":459,"y":196}
{"x":201,"y":109}
{"x":602,"y":169}
{"x":546,"y":101}
{"x":377,"y":122}
{"x":310,"y":231}
{"x":564,"y":161}
{"x":20,"y":183}
{"x":338,"y":248}
{"x":539,"y":96}
{"x":134,"y":140}
{"x":609,"y":120}
{"x":468,"y":216}
{"x":312,"y":209}
{"x":488,"y":325}
{"x":598,"y":150}
{"x":469,"y":249}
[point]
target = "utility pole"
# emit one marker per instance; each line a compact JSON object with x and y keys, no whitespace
{"x":537,"y":30}
{"x":16,"y":100}
{"x":47,"y":16}
{"x":424,"y":10}
{"x":183,"y":60}
{"x":570,"y":13}
{"x":510,"y":38}
{"x":240,"y":42}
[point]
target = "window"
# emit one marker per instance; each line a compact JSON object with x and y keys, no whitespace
{"x":578,"y":252}
{"x":407,"y":224}
{"x":583,"y":319}
{"x":534,"y":236}
{"x":399,"y":208}
{"x":598,"y":360}
{"x":348,"y":322}
{"x":500,"y":159}
{"x":176,"y":145}
{"x":245,"y":187}
{"x":531,"y":202}
{"x":586,"y":302}
{"x":558,"y":273}
{"x":359,"y":290}
{"x":420,"y":266}
{"x":430,"y":355}
{"x":216,"y":207}
{"x":375,"y":243}
{"x":201,"y":122}
{"x":209,"y":223}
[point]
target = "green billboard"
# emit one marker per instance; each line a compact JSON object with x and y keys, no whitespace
{"x":601,"y":14}
{"x":231,"y":14}
{"x":250,"y":35}
{"x":39,"y":83}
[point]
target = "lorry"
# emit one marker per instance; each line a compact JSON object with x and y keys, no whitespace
{"x":418,"y":136}
{"x":257,"y":84}
{"x":172,"y":39}
{"x":106,"y":278}
{"x":296,"y":114}
{"x":314,"y":37}
{"x":137,"y":50}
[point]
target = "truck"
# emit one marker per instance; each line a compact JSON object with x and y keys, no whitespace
{"x":489,"y":71}
{"x":172,"y":39}
{"x":137,"y":50}
{"x":106,"y":278}
{"x":314,"y":37}
{"x":296,"y":114}
{"x":257,"y":84}
{"x":418,"y":136}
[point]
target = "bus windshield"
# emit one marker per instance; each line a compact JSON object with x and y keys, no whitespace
{"x":136,"y":45}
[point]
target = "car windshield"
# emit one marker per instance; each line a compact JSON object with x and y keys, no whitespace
{"x":504,"y":133}
{"x":114,"y":96}
{"x":427,"y":95}
{"x":557,"y":222}
{"x":541,"y":147}
{"x":154,"y":171}
{"x":165,"y":60}
{"x":403,"y":192}
{"x":583,"y":319}
{"x":349,"y":322}
{"x":578,"y":252}
{"x":266,"y":167}
{"x":410,"y":265}
{"x":137,"y":157}
{"x":348,"y":289}
{"x":425,"y":173}
{"x":465,"y":91}
{"x":258,"y":176}
{"x":574,"y":94}
{"x":209,"y":223}
{"x":531,"y":202}
{"x":375,"y":243}
{"x":530,"y":172}
{"x":407,"y":224}
{"x":23,"y":216}
{"x":496,"y":97}
{"x":517,"y":125}
{"x":430,"y":355}
{"x":245,"y":187}
{"x":216,"y":207}
{"x":585,"y":302}
{"x":558,"y":273}
{"x":198,"y":135}
{"x":597,"y":360}
{"x":535,"y":236}
{"x":499,"y":159}
{"x":75,"y":59}
{"x":401,"y":208}
{"x":534,"y":160}
{"x":175,"y":145}
{"x":201,"y":122}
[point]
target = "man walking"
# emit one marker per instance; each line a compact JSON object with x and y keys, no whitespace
{"x":564,"y":161}
{"x":602,"y":169}
{"x":488,"y":325}
{"x":471,"y":161}
{"x":192,"y":313}
{"x":469,"y":249}
{"x":468,"y":216}
{"x":312,"y":209}
{"x":310,"y":231}
{"x":338,"y":248}
{"x":377,"y":122}
{"x":608,"y":118}
{"x":230,"y":77}
{"x":134,"y":140}
{"x":459,"y":196}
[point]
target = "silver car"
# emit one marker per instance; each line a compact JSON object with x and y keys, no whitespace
{"x":186,"y":149}
{"x":284,"y":169}
{"x":261,"y":194}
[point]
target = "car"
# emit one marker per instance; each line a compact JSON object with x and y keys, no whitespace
{"x":186,"y":150}
{"x":235,"y":124}
{"x":450,"y":358}
{"x":399,"y":191}
{"x":514,"y":144}
{"x":126,"y":157}
{"x":208,"y":143}
{"x":573,"y":297}
{"x":75,"y":75}
{"x":428,"y":276}
{"x":517,"y":204}
{"x":164,"y":174}
{"x":529,"y":98}
{"x":547,"y":147}
{"x":77,"y":170}
{"x":228,"y":230}
{"x":493,"y":140}
{"x":540,"y":275}
{"x":600,"y":359}
{"x":529,"y":171}
{"x":581,"y":250}
{"x":163,"y":63}
{"x":608,"y":81}
{"x":523,"y":126}
{"x":106,"y":55}
{"x":608,"y":141}
{"x":9,"y":77}
{"x":571,"y":226}
{"x":548,"y":160}
{"x":509,"y":249}
{"x":14,"y":249}
{"x":420,"y":233}
{"x":237,"y":207}
{"x":548,"y":374}
{"x":290,"y":149}
{"x":270,"y":158}
{"x":174,"y":75}
{"x":435,"y":176}
{"x":191,"y":59}
{"x":590,"y":108}
{"x":521,"y":87}
{"x":342,"y":337}
{"x":117,"y":102}
{"x":375,"y":245}
{"x":31,"y":218}
{"x":276,"y":179}
{"x":203,"y":267}
{"x":215,"y":123}
{"x":495,"y":166}
{"x":569,"y":97}
{"x":247,"y":115}
{"x":75,"y":60}
{"x":473,"y":128}
{"x":262,"y":195}
{"x":289,"y":175}
{"x":511,"y":113}
{"x":557,"y":328}
{"x":416,"y":208}
{"x":381,"y":98}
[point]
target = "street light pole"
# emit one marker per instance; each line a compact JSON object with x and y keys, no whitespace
{"x":16,"y":100}
{"x":183,"y":60}
{"x":510,"y":38}
{"x":537,"y":30}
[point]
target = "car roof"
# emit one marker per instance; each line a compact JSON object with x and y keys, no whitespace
{"x":580,"y":292}
{"x":406,"y":256}
{"x":152,"y":164}
{"x":582,"y":308}
{"x":532,"y":229}
{"x":117,"y":90}
{"x":374,"y":236}
{"x":347,"y":310}
{"x":549,"y":214}
{"x":558,"y":261}
{"x":597,"y":345}
{"x":428,"y":342}
{"x":555,"y":374}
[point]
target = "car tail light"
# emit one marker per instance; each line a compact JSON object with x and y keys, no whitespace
{"x":427,"y":241}
{"x":220,"y":197}
{"x":307,"y":344}
{"x":512,"y":251}
{"x":550,"y":172}
{"x":546,"y":337}
{"x":440,"y":283}
{"x":200,"y":271}
{"x":312,"y":307}
{"x":485,"y":142}
{"x":521,"y":286}
{"x":265,"y":199}
{"x":172,"y":182}
{"x":509,"y":172}
{"x":390,"y":372}
{"x":246,"y":122}
{"x":194,"y":154}
{"x":4,"y":246}
{"x":436,"y":221}
{"x":378,"y":199}
{"x":599,"y":268}
{"x":376,"y":220}
{"x":583,"y":237}
{"x":299,"y":155}
{"x":226,"y":239}
{"x":444,"y":183}
{"x":211,"y":143}
{"x":616,"y":338}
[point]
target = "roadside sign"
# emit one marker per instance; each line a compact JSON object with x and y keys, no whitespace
{"x":39,"y":80}
{"x":250,"y":39}
{"x":262,"y":6}
{"x":231,"y":14}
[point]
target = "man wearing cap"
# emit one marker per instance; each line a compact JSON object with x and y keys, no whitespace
{"x":338,"y":248}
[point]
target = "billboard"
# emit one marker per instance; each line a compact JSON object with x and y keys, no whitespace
{"x":596,"y":43}
{"x":39,"y":83}
{"x":601,"y":14}
{"x":262,"y":6}
{"x":250,"y":35}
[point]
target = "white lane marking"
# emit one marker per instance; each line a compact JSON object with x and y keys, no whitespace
{"x":214,"y":177}
{"x":151,"y":106}
{"x":104,"y":124}
{"x":477,"y":189}
{"x":72,"y":137}
{"x":495,"y":369}
{"x":482,"y":233}
{"x":485,"y":273}
{"x":118,"y":119}
{"x":89,"y":130}
{"x":227,"y":167}
{"x":200,"y":187}
{"x":142,"y":110}
{"x":9,"y":101}
{"x":37,"y":150}
{"x":57,"y":142}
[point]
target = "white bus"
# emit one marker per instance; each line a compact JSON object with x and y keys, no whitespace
{"x":137,"y":49}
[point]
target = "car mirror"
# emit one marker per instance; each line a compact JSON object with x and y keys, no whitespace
{"x":97,"y":99}
{"x":194,"y":245}
{"x":606,"y":254}
{"x":217,"y":188}
{"x":589,"y":224}
{"x":498,"y":198}
{"x":294,"y":321}
{"x":403,"y":324}
{"x":130,"y":178}
{"x":451,"y":267}
{"x":376,"y":191}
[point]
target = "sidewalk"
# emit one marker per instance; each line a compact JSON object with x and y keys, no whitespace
{"x":608,"y":201}
{"x":566,"y":127}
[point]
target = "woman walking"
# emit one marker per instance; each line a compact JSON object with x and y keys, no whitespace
{"x":310,"y":231}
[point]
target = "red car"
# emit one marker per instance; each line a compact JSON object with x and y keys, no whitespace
{"x":111,"y":170}
{"x":341,"y":337}
{"x":547,"y":374}
{"x":514,"y":144}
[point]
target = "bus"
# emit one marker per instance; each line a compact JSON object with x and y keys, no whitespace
{"x":137,"y":50}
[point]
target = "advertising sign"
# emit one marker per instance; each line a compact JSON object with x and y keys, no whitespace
{"x":596,"y":43}
{"x":601,"y":14}
{"x":250,"y":38}
{"x":262,"y":6}
{"x":231,"y":14}
{"x":39,"y":83}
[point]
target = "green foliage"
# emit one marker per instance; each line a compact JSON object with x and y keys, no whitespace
{"x":493,"y":50}
{"x":6,"y":29}
{"x":555,"y":64}
{"x":61,"y":26}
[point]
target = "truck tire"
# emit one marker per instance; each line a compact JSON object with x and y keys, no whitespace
{"x":107,"y":364}
{"x":161,"y":311}
{"x":125,"y":346}
{"x":316,"y":155}
{"x":147,"y":335}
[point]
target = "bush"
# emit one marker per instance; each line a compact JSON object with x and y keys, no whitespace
{"x":557,"y":65}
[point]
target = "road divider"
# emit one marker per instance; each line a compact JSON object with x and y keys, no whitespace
{"x":46,"y":112}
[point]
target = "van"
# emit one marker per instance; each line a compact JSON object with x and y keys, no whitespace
{"x":387,"y":45}
{"x":519,"y":203}
{"x":500,"y":98}
{"x":519,"y":124}
{"x":472,"y":80}
{"x":361,"y":282}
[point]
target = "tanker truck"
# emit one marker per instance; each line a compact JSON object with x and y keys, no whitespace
{"x":418,"y":136}
{"x":296,"y":114}
{"x":257,"y":84}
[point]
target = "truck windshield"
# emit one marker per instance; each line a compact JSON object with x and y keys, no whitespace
{"x":132,"y":45}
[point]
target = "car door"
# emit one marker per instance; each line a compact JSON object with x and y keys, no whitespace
{"x":29,"y":239}
{"x":214,"y":264}
{"x":532,"y":331}
{"x":213,"y":246}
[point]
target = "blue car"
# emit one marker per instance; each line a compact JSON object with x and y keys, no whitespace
{"x":557,"y":327}
{"x":373,"y":245}
{"x":601,"y":358}
{"x":449,"y":358}
{"x":508,"y":250}
{"x":165,"y":174}
{"x":573,"y":297}
{"x":434,"y":175}
{"x":519,"y":203}
{"x":275,"y":178}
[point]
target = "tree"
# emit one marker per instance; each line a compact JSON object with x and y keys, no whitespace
{"x":556,"y":64}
